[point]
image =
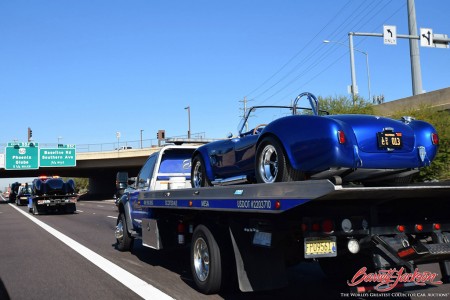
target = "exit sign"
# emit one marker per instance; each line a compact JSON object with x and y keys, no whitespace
{"x":21,"y":156}
{"x":63,"y":156}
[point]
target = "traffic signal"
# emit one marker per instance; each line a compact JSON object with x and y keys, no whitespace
{"x":30,"y":133}
{"x":161,"y":135}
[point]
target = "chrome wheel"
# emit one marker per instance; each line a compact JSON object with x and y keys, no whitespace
{"x":268,"y":164}
{"x":197,"y":175}
{"x":119,"y":231}
{"x":201,"y":259}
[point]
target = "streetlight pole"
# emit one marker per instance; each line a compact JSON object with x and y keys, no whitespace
{"x":189,"y":121}
{"x":141,"y":137}
{"x":352,"y":64}
{"x":59,"y":138}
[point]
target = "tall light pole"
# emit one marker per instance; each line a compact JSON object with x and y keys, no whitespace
{"x":141,"y":137}
{"x":352,"y":62}
{"x":59,"y":138}
{"x":414,"y":50}
{"x":189,"y":121}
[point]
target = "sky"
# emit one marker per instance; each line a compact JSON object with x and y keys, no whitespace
{"x":79,"y":71}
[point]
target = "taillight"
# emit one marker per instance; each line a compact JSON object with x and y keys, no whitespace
{"x":419,"y":227}
{"x":341,"y":137}
{"x":435,"y":139}
{"x":327,"y":226}
{"x":401,"y":228}
{"x":437,"y":226}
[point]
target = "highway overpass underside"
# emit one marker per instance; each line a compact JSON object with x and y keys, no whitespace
{"x":100,"y":168}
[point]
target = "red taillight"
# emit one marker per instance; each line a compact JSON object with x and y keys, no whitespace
{"x":327,"y":226}
{"x":435,"y":139}
{"x":315,"y":227}
{"x":401,"y":228}
{"x":277,"y":204}
{"x":406,"y":252}
{"x":341,"y":137}
{"x":419,"y":227}
{"x":180,"y":227}
{"x":304,"y":227}
{"x":437,"y":226}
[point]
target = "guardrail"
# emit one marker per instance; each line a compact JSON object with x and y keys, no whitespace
{"x":104,"y":147}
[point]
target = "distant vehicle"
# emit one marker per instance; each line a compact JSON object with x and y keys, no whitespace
{"x":124,"y":148}
{"x":52,"y":194}
{"x":24,"y":192}
{"x":291,"y":143}
{"x":13,"y":193}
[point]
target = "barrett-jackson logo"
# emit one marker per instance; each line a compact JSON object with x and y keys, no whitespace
{"x":389,"y":279}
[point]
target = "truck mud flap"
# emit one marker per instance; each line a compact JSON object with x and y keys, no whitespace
{"x":254,"y":264}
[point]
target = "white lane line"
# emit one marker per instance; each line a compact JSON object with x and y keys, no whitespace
{"x":112,"y":217}
{"x":134,"y":283}
{"x":79,"y":210}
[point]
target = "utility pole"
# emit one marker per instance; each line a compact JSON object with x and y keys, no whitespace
{"x":354,"y":87}
{"x":414,"y":50}
{"x":244,"y":101}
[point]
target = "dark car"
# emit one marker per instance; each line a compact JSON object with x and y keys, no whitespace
{"x":43,"y":186}
{"x":291,"y":143}
{"x":24,"y":192}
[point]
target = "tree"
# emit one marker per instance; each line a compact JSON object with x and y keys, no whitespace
{"x":440,"y":167}
{"x":344,"y":105}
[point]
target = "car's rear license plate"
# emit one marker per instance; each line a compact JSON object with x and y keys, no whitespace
{"x":320,"y":247}
{"x":389,"y":139}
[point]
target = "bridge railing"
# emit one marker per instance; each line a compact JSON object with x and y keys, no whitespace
{"x":115,"y":146}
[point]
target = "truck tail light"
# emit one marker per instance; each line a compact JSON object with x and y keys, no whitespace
{"x":327,"y":226}
{"x":419,"y":227}
{"x":181,"y":230}
{"x":437,"y":226}
{"x":401,"y":228}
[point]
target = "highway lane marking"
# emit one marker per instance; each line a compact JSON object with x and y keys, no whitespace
{"x":79,"y":210}
{"x":134,"y":283}
{"x":112,"y":217}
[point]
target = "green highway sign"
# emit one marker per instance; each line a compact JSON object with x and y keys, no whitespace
{"x":63,"y":156}
{"x":21,"y":156}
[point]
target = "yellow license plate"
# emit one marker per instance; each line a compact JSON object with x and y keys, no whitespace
{"x":325,"y":247}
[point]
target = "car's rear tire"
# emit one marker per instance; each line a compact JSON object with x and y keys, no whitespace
{"x":272,"y":164}
{"x":198,"y":173}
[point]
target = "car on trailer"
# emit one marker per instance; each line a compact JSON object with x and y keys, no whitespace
{"x":292,"y":143}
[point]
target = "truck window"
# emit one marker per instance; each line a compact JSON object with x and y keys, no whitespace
{"x":146,"y":172}
{"x":174,"y":165}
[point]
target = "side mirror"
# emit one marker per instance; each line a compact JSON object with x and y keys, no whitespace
{"x":132,"y":180}
{"x":230,"y":135}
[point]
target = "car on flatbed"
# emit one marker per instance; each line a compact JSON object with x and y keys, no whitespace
{"x":292,"y":143}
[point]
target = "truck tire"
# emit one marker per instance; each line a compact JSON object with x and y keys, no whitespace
{"x":206,"y":261}
{"x":198,"y":172}
{"x":272,"y":165}
{"x":34,"y":209}
{"x":123,"y":238}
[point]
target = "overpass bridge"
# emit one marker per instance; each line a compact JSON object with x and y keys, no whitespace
{"x":99,"y":167}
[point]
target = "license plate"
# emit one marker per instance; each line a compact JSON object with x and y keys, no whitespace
{"x":389,"y":139}
{"x":320,"y":247}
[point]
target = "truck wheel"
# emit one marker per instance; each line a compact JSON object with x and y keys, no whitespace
{"x":123,"y":238}
{"x":198,"y":173}
{"x":206,"y":261}
{"x":34,"y":209}
{"x":272,"y":165}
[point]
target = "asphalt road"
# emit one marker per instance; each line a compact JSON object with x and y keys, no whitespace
{"x":35,"y":264}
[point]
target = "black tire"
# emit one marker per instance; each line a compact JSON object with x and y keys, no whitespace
{"x":272,"y":165}
{"x":123,"y":238}
{"x":206,"y":261}
{"x":198,"y":173}
{"x":34,"y":209}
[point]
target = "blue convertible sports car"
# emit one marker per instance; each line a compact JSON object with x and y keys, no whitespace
{"x":291,"y":143}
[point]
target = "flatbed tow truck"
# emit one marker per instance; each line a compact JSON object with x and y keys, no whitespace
{"x":252,"y":233}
